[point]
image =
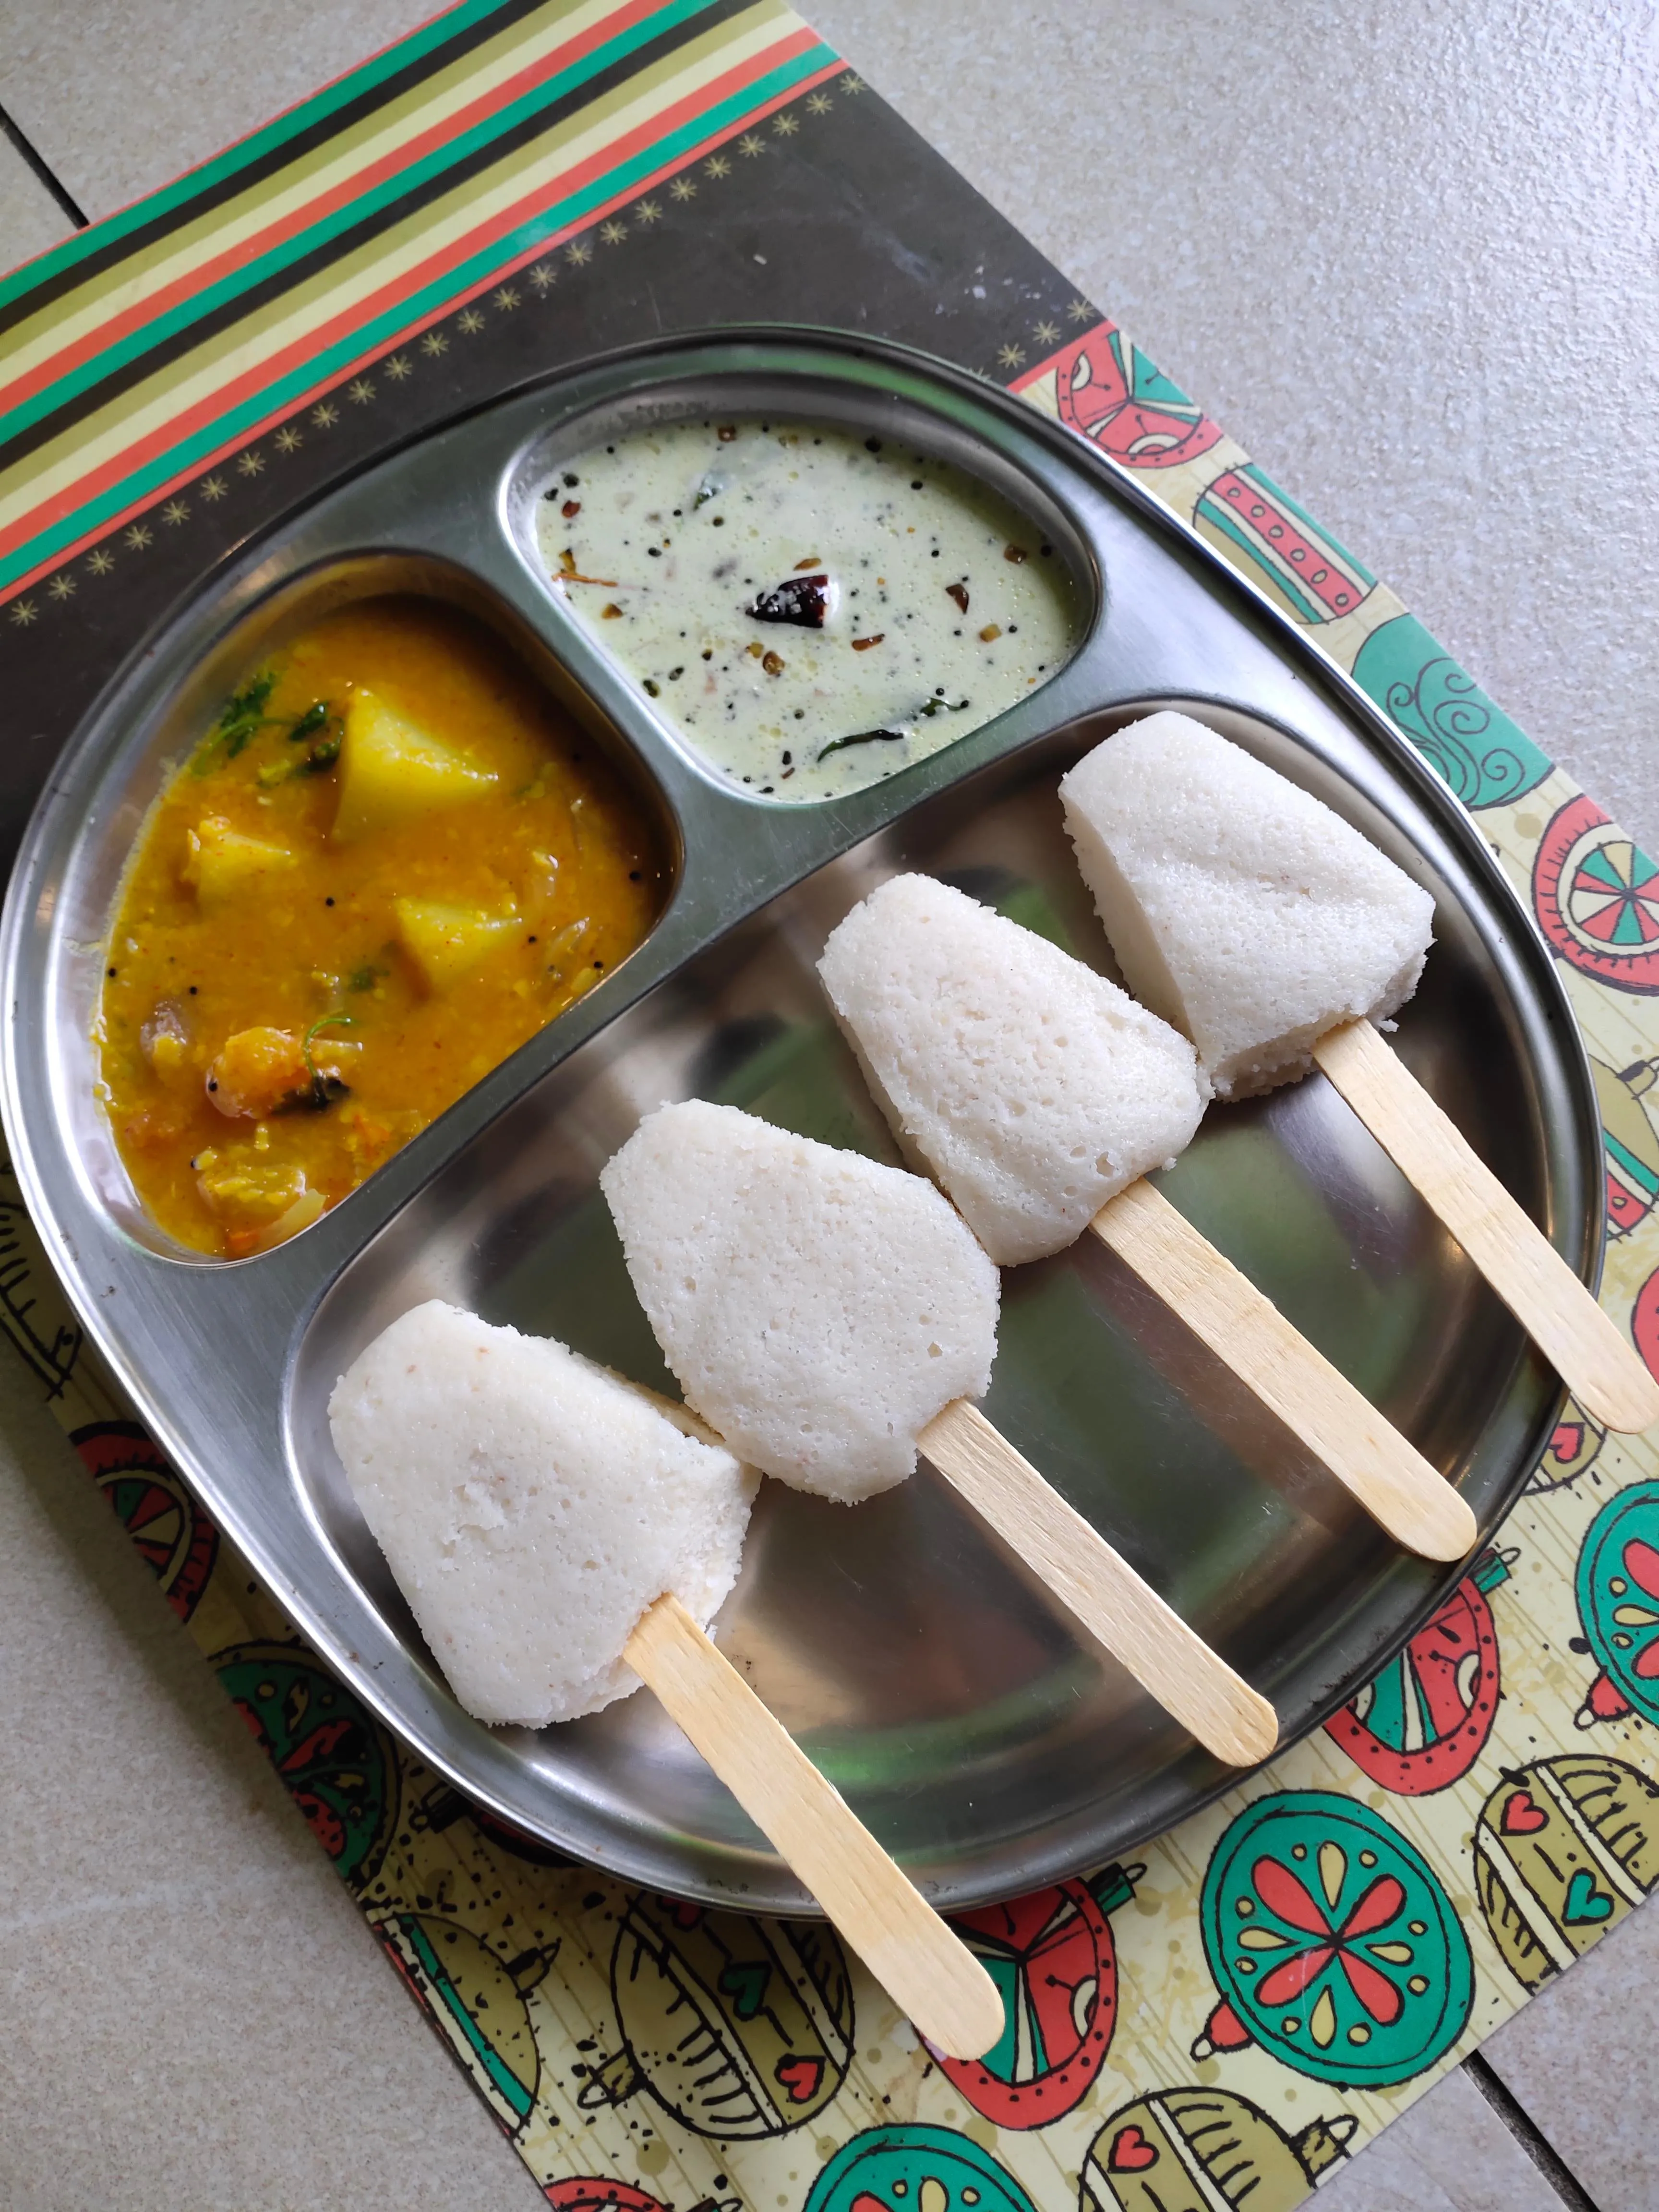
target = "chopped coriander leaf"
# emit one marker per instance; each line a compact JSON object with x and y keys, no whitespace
{"x":315,"y":717}
{"x":241,"y":716}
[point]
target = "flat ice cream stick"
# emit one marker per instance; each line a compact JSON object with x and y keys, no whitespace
{"x":1168,"y":1659}
{"x":1604,"y":1372}
{"x":1388,"y":1476}
{"x":927,"y":1970}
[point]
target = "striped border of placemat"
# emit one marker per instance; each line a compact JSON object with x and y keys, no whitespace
{"x":140,"y":352}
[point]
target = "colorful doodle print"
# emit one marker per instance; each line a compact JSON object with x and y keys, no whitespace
{"x":1563,"y":1849}
{"x":337,"y":1760}
{"x":1464,"y":736}
{"x":916,"y":2169}
{"x":1107,"y":390}
{"x":1262,"y":531}
{"x":1051,"y":1957}
{"x":1574,"y":1446}
{"x":740,"y":2028}
{"x":1333,"y":1944}
{"x":1630,"y":1142}
{"x":1645,"y":1322}
{"x":591,"y":2192}
{"x":476,"y":2000}
{"x":1618,"y":1597}
{"x":1208,"y":2148}
{"x":174,"y":1536}
{"x":1596,"y":897}
{"x":442,"y":1806}
{"x":1422,"y":1723}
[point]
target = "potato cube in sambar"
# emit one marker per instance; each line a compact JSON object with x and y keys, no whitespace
{"x":446,"y":942}
{"x":391,"y":771}
{"x":223,"y":863}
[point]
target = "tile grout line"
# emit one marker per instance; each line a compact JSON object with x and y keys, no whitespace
{"x":9,"y":130}
{"x":1514,"y":2116}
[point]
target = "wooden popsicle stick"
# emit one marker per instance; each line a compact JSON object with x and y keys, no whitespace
{"x":1603,"y":1370}
{"x":927,"y":1970}
{"x":1169,"y":1660}
{"x":1388,"y":1476}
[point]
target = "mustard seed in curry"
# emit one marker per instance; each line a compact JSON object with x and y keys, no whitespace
{"x":390,"y":862}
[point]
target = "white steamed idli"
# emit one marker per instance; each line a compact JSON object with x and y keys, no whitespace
{"x":1032,"y":1087}
{"x":817,"y":1308}
{"x":532,"y":1506}
{"x":1241,"y":909}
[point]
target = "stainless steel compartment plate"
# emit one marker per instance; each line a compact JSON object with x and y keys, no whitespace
{"x":927,"y":1673}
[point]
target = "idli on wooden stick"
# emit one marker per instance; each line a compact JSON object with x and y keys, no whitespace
{"x":1039,"y":1095}
{"x":1032,"y":1087}
{"x":817,"y":1308}
{"x":531,"y":1506}
{"x":1274,"y":935}
{"x":833,"y":1318}
{"x":560,"y":1537}
{"x":1240,"y":907}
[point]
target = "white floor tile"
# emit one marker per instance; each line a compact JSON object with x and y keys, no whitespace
{"x":1449,"y":2152}
{"x":1583,"y":2060}
{"x":1403,"y":252}
{"x":195,"y":2013}
{"x":30,"y":219}
{"x":118,"y":96}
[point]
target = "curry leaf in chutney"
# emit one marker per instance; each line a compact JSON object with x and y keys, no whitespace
{"x":862,"y":737}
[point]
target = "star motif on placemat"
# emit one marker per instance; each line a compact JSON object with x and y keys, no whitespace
{"x":544,"y":276}
{"x":23,"y":612}
{"x":818,"y":103}
{"x":175,"y":512}
{"x":251,"y":463}
{"x":683,"y":189}
{"x":1012,"y":356}
{"x":138,"y":538}
{"x":505,"y":297}
{"x":1080,"y":311}
{"x":61,"y":588}
{"x":851,"y":83}
{"x":613,"y":231}
{"x":325,"y":414}
{"x":1045,"y":332}
{"x":398,"y":368}
{"x":360,"y":392}
{"x":470,"y":321}
{"x":100,"y":561}
{"x":717,"y":166}
{"x":213,"y":488}
{"x":435,"y":342}
{"x":578,"y":253}
{"x":648,"y":211}
{"x":784,"y":125}
{"x":288,"y":440}
{"x":750,"y":144}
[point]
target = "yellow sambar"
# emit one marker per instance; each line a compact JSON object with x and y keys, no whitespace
{"x":392,"y":861}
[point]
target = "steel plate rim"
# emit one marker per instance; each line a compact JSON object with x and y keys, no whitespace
{"x":1353,"y":701}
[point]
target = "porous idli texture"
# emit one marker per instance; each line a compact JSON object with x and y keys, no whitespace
{"x":532,"y":1507}
{"x":1241,"y":909}
{"x":1031,"y":1087}
{"x":817,"y":1308}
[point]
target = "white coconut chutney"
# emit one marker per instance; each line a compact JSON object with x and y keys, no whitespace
{"x":810,"y":608}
